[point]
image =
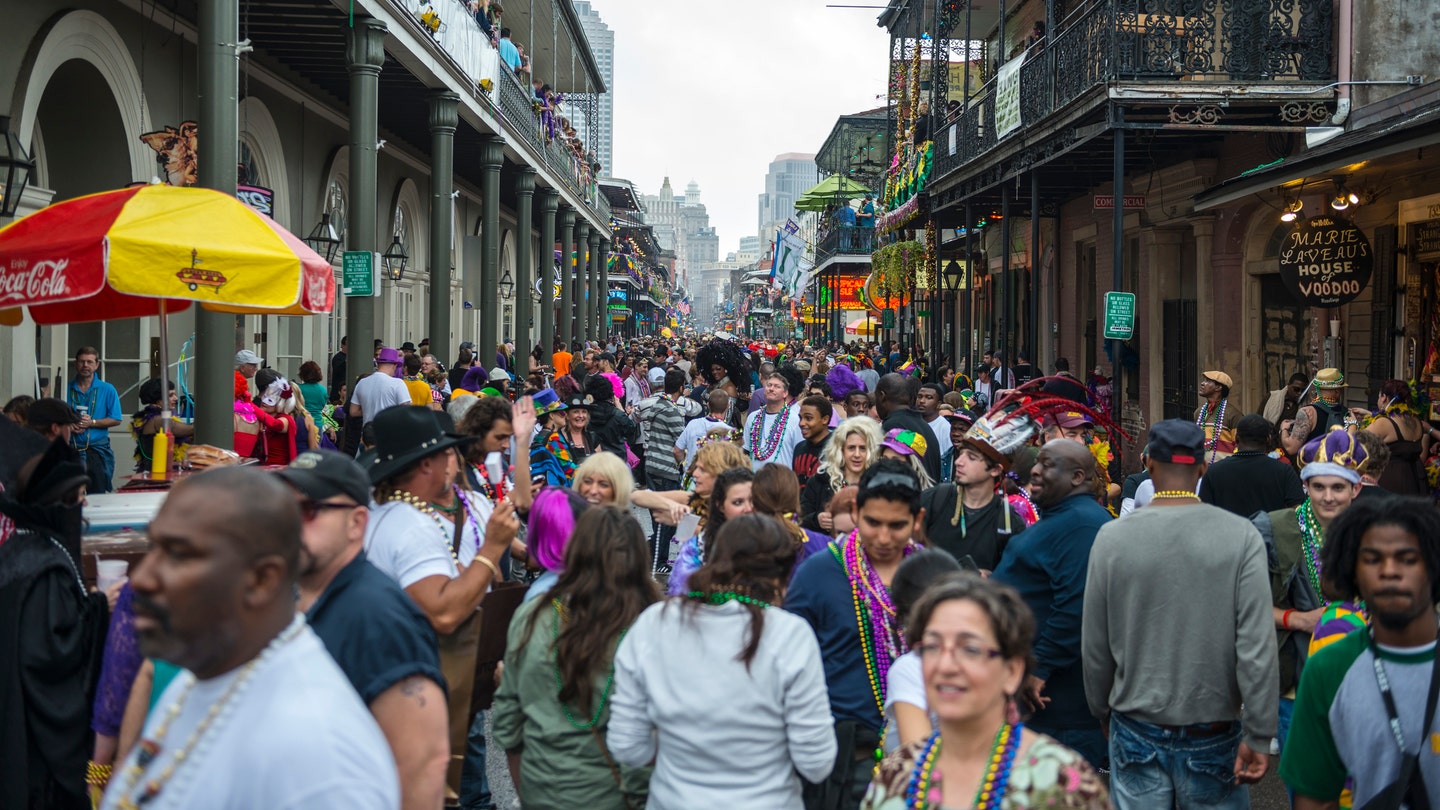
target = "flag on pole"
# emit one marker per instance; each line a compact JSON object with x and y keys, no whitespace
{"x":789,"y":266}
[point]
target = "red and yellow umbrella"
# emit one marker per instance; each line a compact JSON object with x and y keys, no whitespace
{"x":154,"y":249}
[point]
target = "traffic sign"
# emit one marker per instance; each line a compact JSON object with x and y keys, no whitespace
{"x":887,"y":319}
{"x":1119,"y":315}
{"x":359,"y":273}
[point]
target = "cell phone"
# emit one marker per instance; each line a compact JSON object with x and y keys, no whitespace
{"x":967,"y":563}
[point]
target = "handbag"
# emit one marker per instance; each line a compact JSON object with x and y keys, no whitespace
{"x":1408,"y":790}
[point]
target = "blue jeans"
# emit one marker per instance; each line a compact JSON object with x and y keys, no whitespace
{"x":1287,"y":711}
{"x":1154,"y":767}
{"x":474,"y":783}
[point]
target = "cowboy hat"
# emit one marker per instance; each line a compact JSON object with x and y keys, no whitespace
{"x":404,"y":435}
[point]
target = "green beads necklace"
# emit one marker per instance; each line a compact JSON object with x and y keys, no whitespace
{"x":721,"y":597}
{"x":560,"y":615}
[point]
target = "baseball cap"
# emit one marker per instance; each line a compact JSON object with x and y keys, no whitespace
{"x":905,"y":442}
{"x":1177,"y":441}
{"x":1073,"y":419}
{"x":246,"y":357}
{"x":51,"y":411}
{"x":321,"y":474}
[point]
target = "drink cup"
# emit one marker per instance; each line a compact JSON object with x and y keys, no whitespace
{"x":109,"y":572}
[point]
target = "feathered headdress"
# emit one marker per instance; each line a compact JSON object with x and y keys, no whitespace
{"x":1017,"y":417}
{"x":728,"y":356}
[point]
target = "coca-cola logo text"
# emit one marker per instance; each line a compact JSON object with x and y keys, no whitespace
{"x":38,"y":282}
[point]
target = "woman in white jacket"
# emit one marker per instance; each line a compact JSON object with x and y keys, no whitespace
{"x":725,"y":645}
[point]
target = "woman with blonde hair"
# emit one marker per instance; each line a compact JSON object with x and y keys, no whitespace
{"x":604,"y":478}
{"x":854,"y":445}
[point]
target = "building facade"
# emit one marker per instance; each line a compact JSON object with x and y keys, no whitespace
{"x":682,"y":225}
{"x":602,"y":44}
{"x":790,"y":175}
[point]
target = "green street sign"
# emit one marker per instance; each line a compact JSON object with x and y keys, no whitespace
{"x":1119,"y":315}
{"x":358,"y":273}
{"x":887,"y":319}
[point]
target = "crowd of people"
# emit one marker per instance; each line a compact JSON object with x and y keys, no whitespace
{"x":699,"y":573}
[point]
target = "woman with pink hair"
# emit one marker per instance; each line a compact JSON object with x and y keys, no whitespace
{"x":552,"y":521}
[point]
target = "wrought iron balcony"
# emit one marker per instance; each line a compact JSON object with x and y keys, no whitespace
{"x":846,"y":240}
{"x":1189,"y":47}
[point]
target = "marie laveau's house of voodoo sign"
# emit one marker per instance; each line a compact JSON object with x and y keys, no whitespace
{"x":1326,"y":261}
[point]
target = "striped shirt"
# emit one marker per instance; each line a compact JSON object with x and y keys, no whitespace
{"x":662,"y":420}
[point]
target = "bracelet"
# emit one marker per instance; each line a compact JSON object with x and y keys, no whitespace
{"x":492,"y":566}
{"x":97,"y":775}
{"x":1285,"y":618}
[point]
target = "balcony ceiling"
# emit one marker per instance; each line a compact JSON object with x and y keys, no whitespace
{"x":550,"y":33}
{"x":855,"y":145}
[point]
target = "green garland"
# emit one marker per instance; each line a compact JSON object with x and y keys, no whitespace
{"x":896,"y":266}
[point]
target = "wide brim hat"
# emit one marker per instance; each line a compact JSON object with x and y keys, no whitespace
{"x":389,"y":355}
{"x":580,"y":402}
{"x":547,"y":401}
{"x":404,"y":435}
{"x":1329,"y":378}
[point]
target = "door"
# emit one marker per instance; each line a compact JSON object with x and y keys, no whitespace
{"x":1283,"y":330}
{"x":1181,"y":372}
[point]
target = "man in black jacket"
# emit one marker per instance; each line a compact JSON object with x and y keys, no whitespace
{"x":895,"y":404}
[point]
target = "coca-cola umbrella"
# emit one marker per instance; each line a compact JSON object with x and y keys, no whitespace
{"x":155,"y":249}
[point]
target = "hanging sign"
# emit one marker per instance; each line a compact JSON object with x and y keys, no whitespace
{"x":1007,"y":97}
{"x":1326,"y":261}
{"x":1119,"y":315}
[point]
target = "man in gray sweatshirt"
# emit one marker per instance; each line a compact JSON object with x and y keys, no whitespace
{"x":1177,"y":636}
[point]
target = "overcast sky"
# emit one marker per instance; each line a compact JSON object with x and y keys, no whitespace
{"x":713,"y":91}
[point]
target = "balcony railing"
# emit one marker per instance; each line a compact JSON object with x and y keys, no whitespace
{"x":1234,"y":41}
{"x":461,"y":38}
{"x":847,"y":240}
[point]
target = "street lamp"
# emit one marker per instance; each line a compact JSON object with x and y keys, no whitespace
{"x":323,"y":239}
{"x":16,"y":168}
{"x":507,"y":285}
{"x":954,"y":276}
{"x":395,"y":258}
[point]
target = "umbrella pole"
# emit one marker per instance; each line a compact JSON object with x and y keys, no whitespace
{"x":160,"y":449}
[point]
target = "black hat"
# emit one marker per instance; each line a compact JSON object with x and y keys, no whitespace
{"x":404,"y":435}
{"x":51,"y":411}
{"x":1177,"y":441}
{"x":579,"y":402}
{"x":407,"y":346}
{"x":321,"y":474}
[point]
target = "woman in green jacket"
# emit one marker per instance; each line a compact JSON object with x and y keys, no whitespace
{"x":552,"y":708}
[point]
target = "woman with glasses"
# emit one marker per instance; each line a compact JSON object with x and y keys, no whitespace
{"x":973,"y":638}
{"x":725,"y":644}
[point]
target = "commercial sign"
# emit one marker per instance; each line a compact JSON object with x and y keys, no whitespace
{"x":257,"y":197}
{"x":1425,"y":240}
{"x":1119,"y":315}
{"x":1106,"y":202}
{"x":847,"y":289}
{"x":360,"y":273}
{"x":1326,"y":261}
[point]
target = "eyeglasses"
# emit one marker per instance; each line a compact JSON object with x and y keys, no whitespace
{"x":899,"y":479}
{"x":309,"y":509}
{"x":963,"y":652}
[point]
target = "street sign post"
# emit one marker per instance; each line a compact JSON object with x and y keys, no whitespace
{"x":1119,"y":315}
{"x":359,"y":273}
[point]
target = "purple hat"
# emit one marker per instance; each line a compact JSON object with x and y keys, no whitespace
{"x":389,"y":355}
{"x":475,"y":379}
{"x":843,"y":382}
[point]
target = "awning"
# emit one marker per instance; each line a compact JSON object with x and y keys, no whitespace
{"x":1414,"y":129}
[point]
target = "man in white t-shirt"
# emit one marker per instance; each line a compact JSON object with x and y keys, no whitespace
{"x":927,"y":402}
{"x":695,"y":430}
{"x":772,"y":432}
{"x":261,"y":697}
{"x":376,"y":392}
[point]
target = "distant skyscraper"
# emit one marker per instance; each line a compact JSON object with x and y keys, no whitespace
{"x":790,"y":175}
{"x":602,"y":45}
{"x":682,"y":224}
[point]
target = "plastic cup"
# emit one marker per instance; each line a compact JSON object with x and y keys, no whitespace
{"x":109,"y":572}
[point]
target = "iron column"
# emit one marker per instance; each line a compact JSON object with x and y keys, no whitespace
{"x":544,"y":268}
{"x":219,"y":136}
{"x":567,"y":276}
{"x":364,"y":56}
{"x":604,"y":307}
{"x":596,"y":310}
{"x":492,"y":155}
{"x":444,"y":117}
{"x":524,"y":293}
{"x":1117,"y":278}
{"x":578,"y":297}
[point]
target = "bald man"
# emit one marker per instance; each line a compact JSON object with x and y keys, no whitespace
{"x":895,"y":405}
{"x":215,"y":595}
{"x":1047,"y":565}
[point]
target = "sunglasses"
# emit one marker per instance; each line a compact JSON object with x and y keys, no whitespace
{"x":309,"y":509}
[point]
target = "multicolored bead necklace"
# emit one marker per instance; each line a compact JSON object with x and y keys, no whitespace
{"x":494,"y":491}
{"x":561,"y":615}
{"x":923,"y":790}
{"x":772,"y":436}
{"x":875,"y":614}
{"x":1219,"y":424}
{"x":1312,"y":539}
{"x":148,"y":749}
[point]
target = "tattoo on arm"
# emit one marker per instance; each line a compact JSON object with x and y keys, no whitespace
{"x":414,"y":687}
{"x":1301,"y":429}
